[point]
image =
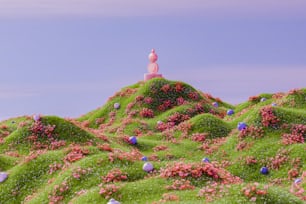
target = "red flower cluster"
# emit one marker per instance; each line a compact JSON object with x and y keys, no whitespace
{"x":268,"y":119}
{"x":180,"y":184}
{"x":54,"y":167}
{"x":108,"y":190}
{"x":40,"y":130}
{"x":199,"y":137}
{"x":57,"y":194}
{"x":79,"y":172}
{"x":254,"y":98}
{"x":252,"y":191}
{"x":146,"y":113}
{"x":252,"y":131}
{"x":196,"y":170}
{"x":160,"y":148}
{"x":179,"y":87}
{"x":297,"y":188}
{"x":148,"y":100}
{"x":212,"y":191}
{"x":115,"y":175}
{"x":57,"y":144}
{"x":194,"y":96}
{"x":249,"y":160}
{"x":177,"y":118}
{"x":134,"y":155}
{"x":297,"y":135}
{"x":280,"y":158}
{"x":105,"y":147}
{"x":76,"y":153}
{"x":166,"y":88}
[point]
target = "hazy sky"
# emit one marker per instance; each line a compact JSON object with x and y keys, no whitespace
{"x":66,"y":57}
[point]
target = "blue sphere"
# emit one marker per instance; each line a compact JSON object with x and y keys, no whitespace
{"x":133,"y":140}
{"x":215,"y":104}
{"x":264,"y":170}
{"x":230,"y":112}
{"x":144,"y":158}
{"x":241,"y":126}
{"x":205,"y":160}
{"x":273,"y":104}
{"x":263,"y":99}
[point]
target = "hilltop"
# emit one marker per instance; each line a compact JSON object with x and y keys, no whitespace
{"x":203,"y":150}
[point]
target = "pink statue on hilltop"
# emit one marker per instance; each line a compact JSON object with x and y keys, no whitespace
{"x":152,"y":67}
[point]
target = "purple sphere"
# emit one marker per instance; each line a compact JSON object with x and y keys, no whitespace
{"x":215,"y":104}
{"x":241,"y":126}
{"x":205,"y":160}
{"x":117,"y":105}
{"x":159,"y":122}
{"x":264,"y":170}
{"x":230,"y":112}
{"x":147,"y":167}
{"x":133,"y":140}
{"x":298,"y":180}
{"x":36,"y":117}
{"x":273,"y":104}
{"x":263,"y":99}
{"x":144,"y":158}
{"x":3,"y":176}
{"x":113,"y":201}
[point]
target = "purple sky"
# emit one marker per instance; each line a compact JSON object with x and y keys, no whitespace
{"x":67,"y":57}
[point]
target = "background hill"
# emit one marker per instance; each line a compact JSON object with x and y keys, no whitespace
{"x":191,"y":139}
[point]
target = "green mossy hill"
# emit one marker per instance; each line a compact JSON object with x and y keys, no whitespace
{"x":152,"y":98}
{"x":198,"y":154}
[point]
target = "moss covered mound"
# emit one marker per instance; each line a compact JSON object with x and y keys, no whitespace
{"x":197,"y":152}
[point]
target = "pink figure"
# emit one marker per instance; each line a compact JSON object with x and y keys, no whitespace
{"x":152,"y":67}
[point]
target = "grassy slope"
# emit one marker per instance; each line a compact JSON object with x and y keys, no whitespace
{"x":30,"y":180}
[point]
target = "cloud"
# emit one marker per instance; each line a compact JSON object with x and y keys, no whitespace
{"x":124,"y":8}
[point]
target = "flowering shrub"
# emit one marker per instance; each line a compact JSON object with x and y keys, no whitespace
{"x":297,"y":187}
{"x":268,"y":119}
{"x":199,"y":137}
{"x":249,"y":160}
{"x":42,"y":131}
{"x":146,"y":113}
{"x":167,"y":197}
{"x":148,"y":100}
{"x":76,"y":153}
{"x":114,"y":175}
{"x":57,"y":194}
{"x":180,"y":184}
{"x":108,"y":190}
{"x":297,"y":135}
{"x":280,"y":158}
{"x":57,"y":144}
{"x":252,"y":131}
{"x":160,"y":148}
{"x":79,"y":172}
{"x":54,"y":167}
{"x":180,"y":101}
{"x":133,"y":155}
{"x":253,"y":191}
{"x":242,"y":145}
{"x":196,"y":170}
{"x":212,"y":191}
{"x":105,"y":147}
{"x":166,"y":88}
{"x":254,"y":98}
{"x":193,"y":96}
{"x":179,"y":87}
{"x":177,"y":118}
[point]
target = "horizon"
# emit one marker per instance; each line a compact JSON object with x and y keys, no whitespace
{"x":66,"y":58}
